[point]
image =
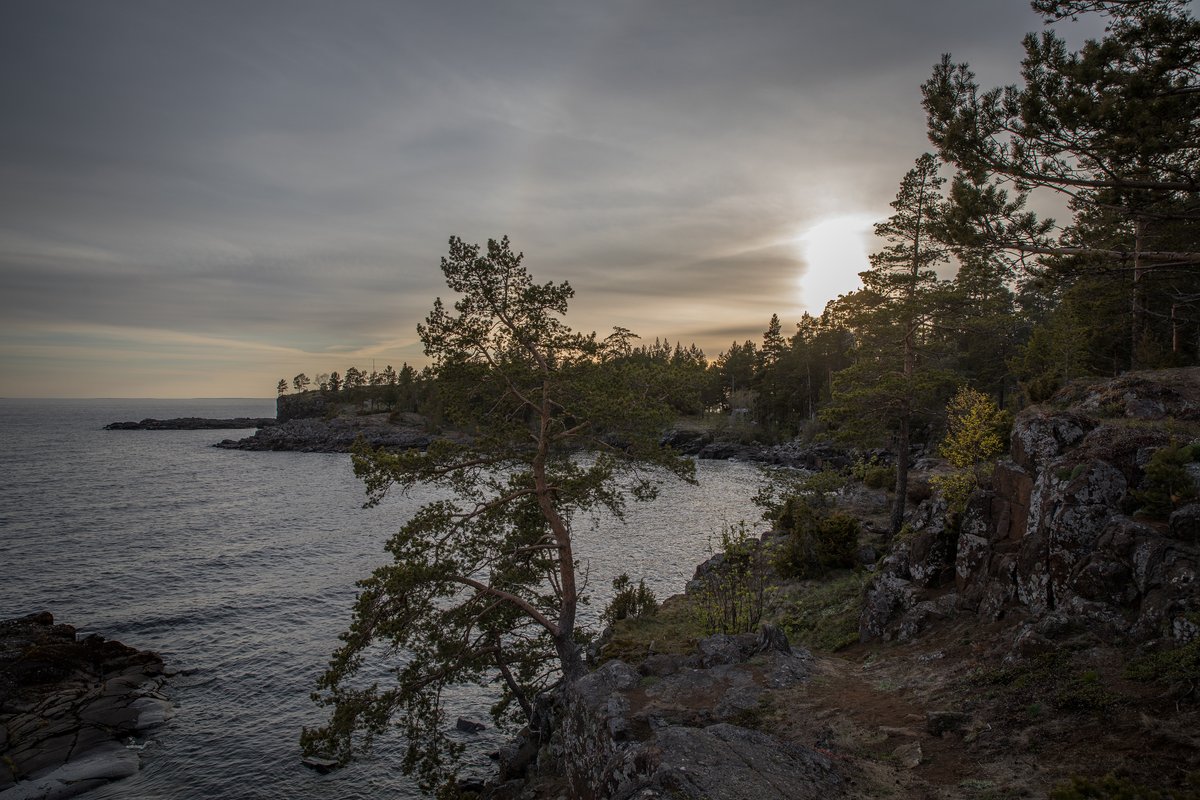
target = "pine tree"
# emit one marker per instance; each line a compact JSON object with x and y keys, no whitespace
{"x":896,"y":378}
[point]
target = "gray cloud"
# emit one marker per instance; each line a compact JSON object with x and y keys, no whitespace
{"x":285,"y":174}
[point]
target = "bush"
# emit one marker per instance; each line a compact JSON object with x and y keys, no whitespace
{"x":1167,"y":484}
{"x":817,"y":542}
{"x":733,"y":593}
{"x":630,"y":601}
{"x":1042,"y":388}
{"x":1178,"y":668}
{"x":873,"y":474}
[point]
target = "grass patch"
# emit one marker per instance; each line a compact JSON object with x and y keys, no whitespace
{"x":1111,"y":787}
{"x":675,"y":629}
{"x":1051,"y":680}
{"x":1178,"y":668}
{"x":824,"y":616}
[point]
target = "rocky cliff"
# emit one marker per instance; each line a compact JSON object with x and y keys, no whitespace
{"x":1058,"y":540}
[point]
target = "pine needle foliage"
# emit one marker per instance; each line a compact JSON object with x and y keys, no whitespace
{"x":484,"y":584}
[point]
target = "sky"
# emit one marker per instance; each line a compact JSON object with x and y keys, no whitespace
{"x":200,"y":197}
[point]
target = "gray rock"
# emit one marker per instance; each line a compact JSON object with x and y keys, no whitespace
{"x":887,"y":598}
{"x":723,"y":761}
{"x":61,"y":721}
{"x":1185,"y":523}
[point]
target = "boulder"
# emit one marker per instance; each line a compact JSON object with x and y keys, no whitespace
{"x":66,"y":704}
{"x":723,"y":761}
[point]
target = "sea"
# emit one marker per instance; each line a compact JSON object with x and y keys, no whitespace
{"x":239,"y":569}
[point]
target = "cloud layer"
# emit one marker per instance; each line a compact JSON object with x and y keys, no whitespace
{"x":200,"y":198}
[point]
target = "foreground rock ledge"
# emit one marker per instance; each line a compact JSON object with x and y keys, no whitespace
{"x":669,"y":728}
{"x":66,"y":706}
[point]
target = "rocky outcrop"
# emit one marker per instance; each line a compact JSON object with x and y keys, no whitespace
{"x":795,"y":453}
{"x":306,"y":405}
{"x":1057,"y":536}
{"x":337,"y":435}
{"x":67,"y":705}
{"x":191,"y":424}
{"x":676,"y":726}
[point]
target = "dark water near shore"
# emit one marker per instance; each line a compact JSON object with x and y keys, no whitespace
{"x":239,"y":568}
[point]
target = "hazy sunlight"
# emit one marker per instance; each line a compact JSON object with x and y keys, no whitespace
{"x":834,"y":252}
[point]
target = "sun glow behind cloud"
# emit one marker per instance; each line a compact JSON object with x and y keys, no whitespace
{"x":834,"y":252}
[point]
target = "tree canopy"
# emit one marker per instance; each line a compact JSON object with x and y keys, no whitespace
{"x":484,"y":586}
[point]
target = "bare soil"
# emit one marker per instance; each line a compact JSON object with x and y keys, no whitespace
{"x":1027,"y":729}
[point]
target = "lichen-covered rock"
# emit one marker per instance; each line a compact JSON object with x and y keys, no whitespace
{"x":971,"y":569}
{"x":611,"y":723}
{"x":1040,"y":437}
{"x":1185,"y":523}
{"x":885,"y":601}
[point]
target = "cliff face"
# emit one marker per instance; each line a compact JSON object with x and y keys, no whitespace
{"x":1057,"y":539}
{"x":306,"y":405}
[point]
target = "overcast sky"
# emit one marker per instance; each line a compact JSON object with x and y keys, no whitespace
{"x":199,"y":198}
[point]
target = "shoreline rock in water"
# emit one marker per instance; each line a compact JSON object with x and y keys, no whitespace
{"x":67,"y":704}
{"x":192,"y":424}
{"x":337,"y":435}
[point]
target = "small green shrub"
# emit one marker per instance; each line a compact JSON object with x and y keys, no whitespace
{"x":873,"y":474}
{"x":1043,"y":387}
{"x":1178,"y":668}
{"x":880,"y":476}
{"x":1167,"y":484}
{"x":817,"y":542}
{"x":732,"y":594}
{"x":629,"y":601}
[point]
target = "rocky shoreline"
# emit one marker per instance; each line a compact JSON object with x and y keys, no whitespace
{"x":69,"y":706}
{"x":411,"y":431}
{"x":192,"y":424}
{"x":337,"y":435}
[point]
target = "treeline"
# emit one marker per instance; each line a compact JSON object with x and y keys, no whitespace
{"x":404,"y":389}
{"x":1114,"y":129}
{"x":970,"y":288}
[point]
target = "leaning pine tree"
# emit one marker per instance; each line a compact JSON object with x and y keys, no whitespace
{"x":484,"y":585}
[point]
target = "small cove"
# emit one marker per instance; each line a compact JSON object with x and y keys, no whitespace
{"x":239,"y":568}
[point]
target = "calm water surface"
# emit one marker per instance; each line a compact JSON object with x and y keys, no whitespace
{"x":239,"y":569}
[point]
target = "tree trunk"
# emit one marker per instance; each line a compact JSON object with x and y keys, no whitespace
{"x":1138,"y":297}
{"x":570,"y":656}
{"x":902,"y":447}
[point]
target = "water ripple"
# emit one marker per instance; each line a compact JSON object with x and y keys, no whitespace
{"x":239,"y":568}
